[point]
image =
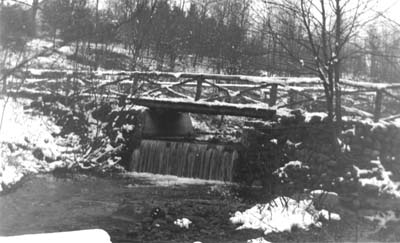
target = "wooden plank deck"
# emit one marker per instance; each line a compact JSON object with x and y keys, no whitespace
{"x":211,"y":108}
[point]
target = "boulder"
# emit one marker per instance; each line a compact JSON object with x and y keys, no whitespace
{"x":38,"y":153}
{"x":325,"y":200}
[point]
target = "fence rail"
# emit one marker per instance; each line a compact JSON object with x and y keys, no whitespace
{"x":273,"y":92}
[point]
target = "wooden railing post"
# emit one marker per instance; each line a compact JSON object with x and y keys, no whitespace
{"x":378,"y":105}
{"x":292,"y":99}
{"x":273,"y":94}
{"x":199,"y":88}
{"x":4,"y":90}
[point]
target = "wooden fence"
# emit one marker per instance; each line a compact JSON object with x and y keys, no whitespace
{"x":276,"y":92}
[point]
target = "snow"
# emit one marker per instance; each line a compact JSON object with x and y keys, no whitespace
{"x":279,"y":215}
{"x":20,"y":134}
{"x":91,"y":235}
{"x":309,"y":115}
{"x":258,"y":240}
{"x":325,"y":214}
{"x":382,"y":218}
{"x":385,"y":183}
{"x":170,"y":180}
{"x":67,"y":50}
{"x":15,"y":130}
{"x":183,"y":223}
{"x":10,"y":175}
{"x":281,"y":171}
{"x":260,"y":107}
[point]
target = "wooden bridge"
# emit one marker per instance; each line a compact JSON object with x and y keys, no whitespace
{"x":238,"y":95}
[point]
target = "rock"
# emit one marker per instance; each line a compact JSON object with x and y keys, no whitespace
{"x":368,"y":141}
{"x":331,"y":163}
{"x":199,"y":221}
{"x":325,"y":215}
{"x":38,"y":153}
{"x":377,"y":145}
{"x":57,"y":165}
{"x":367,"y":212}
{"x":50,"y":155}
{"x":371,"y":189}
{"x":159,"y":223}
{"x":146,"y":223}
{"x":349,"y":133}
{"x":37,"y":104}
{"x":356,"y":148}
{"x":169,"y":219}
{"x":12,"y":147}
{"x":256,"y":183}
{"x":322,"y":157}
{"x":356,"y":203}
{"x":298,"y":115}
{"x":367,"y":152}
{"x":325,"y":200}
{"x":157,"y":213}
{"x":258,"y":240}
{"x":383,"y":204}
{"x":288,"y":120}
{"x":315,"y":119}
{"x":183,"y":223}
{"x":375,"y":153}
{"x":102,"y":113}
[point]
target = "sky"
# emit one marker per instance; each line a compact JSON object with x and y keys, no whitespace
{"x":391,"y":8}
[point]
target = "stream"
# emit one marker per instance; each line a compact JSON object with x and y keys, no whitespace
{"x":119,"y":204}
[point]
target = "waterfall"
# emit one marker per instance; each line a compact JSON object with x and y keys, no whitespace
{"x":184,"y":159}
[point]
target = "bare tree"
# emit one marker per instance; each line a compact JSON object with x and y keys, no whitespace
{"x":324,"y":27}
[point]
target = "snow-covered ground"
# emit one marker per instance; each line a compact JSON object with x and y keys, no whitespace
{"x":282,"y":214}
{"x":20,"y":136}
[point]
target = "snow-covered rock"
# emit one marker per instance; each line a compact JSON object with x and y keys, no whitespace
{"x":324,"y":199}
{"x":183,"y":223}
{"x":258,"y":240}
{"x":279,"y":215}
{"x":326,"y":215}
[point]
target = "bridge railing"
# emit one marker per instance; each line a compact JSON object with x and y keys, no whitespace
{"x":276,"y":92}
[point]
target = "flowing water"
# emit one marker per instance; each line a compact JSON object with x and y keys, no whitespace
{"x":194,"y":160}
{"x":117,"y":204}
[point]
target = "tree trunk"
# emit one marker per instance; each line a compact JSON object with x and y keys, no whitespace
{"x":35,"y":6}
{"x":336,"y":61}
{"x":96,"y":36}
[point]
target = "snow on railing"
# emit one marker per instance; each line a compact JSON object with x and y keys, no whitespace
{"x":229,"y":87}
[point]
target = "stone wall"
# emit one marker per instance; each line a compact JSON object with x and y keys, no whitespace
{"x":297,"y":136}
{"x":374,"y":141}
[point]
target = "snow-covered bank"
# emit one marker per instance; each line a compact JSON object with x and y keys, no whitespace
{"x":26,"y":143}
{"x":282,"y":214}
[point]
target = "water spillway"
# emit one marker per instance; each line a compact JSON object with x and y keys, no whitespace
{"x":185,"y":159}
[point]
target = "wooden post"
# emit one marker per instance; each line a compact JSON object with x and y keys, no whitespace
{"x":292,"y":99}
{"x":198,"y":89}
{"x":273,"y":93}
{"x":378,"y":105}
{"x":4,"y":85}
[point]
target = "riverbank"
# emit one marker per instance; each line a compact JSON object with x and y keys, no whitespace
{"x":123,"y":203}
{"x":29,"y":143}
